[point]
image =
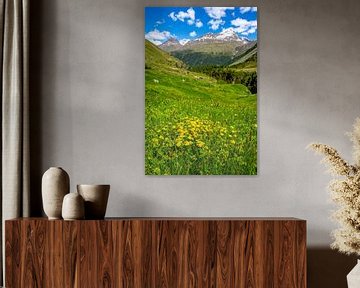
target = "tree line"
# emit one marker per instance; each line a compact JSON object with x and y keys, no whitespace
{"x":230,"y":75}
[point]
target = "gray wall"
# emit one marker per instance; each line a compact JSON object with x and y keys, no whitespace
{"x":87,"y":86}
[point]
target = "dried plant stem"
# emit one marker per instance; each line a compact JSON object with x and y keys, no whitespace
{"x":337,"y":165}
{"x":345,"y":192}
{"x":355,"y":138}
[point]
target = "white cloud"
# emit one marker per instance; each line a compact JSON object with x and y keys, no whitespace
{"x":156,"y":37}
{"x":192,"y":34}
{"x":198,"y":23}
{"x":214,"y":24}
{"x":240,"y":22}
{"x":172,"y":16}
{"x":191,"y":13}
{"x":162,"y":21}
{"x":250,"y":31}
{"x":244,"y":26}
{"x":243,"y":10}
{"x":183,"y":15}
{"x":253,"y":23}
{"x":217,"y":12}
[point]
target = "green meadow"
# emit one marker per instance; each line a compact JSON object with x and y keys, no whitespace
{"x":196,"y":124}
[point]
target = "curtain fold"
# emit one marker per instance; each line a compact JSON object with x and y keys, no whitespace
{"x":15,"y":162}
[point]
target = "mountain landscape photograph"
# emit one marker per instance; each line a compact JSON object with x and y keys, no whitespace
{"x":200,"y":90}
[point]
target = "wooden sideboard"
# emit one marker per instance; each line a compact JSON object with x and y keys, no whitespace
{"x":156,"y":252}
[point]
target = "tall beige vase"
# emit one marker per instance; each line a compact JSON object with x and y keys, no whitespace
{"x":55,"y":185}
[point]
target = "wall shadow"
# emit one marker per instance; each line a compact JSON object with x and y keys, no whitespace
{"x":328,"y":268}
{"x":35,"y":66}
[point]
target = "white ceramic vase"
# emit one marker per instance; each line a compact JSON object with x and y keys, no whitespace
{"x":55,"y":185}
{"x":353,"y":278}
{"x":96,"y":198}
{"x":73,"y":207}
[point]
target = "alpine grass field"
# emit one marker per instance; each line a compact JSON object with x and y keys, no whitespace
{"x":196,"y":124}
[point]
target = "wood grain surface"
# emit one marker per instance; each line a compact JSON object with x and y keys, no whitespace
{"x":160,"y":252}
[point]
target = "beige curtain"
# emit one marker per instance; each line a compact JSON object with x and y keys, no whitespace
{"x":14,"y":27}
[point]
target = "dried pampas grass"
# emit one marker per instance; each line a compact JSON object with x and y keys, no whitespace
{"x":345,"y":191}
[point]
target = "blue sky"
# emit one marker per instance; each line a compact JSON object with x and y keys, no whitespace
{"x":184,"y":23}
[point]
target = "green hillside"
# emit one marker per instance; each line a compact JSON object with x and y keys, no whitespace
{"x":244,"y":50}
{"x":200,"y":54}
{"x":155,"y":57}
{"x":246,"y":60}
{"x":193,"y":58}
{"x":195,"y":124}
{"x":220,"y":54}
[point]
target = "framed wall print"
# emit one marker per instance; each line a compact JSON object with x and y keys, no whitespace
{"x":200,"y":90}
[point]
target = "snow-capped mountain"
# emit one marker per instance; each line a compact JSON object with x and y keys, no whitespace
{"x":184,"y":41}
{"x":209,"y":49}
{"x":230,"y":35}
{"x":171,"y":44}
{"x":226,"y":35}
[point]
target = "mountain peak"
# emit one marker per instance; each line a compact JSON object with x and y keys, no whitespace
{"x":171,"y":41}
{"x":184,"y":41}
{"x":171,"y":44}
{"x":228,"y":35}
{"x":207,"y":36}
{"x":224,"y":36}
{"x":228,"y":32}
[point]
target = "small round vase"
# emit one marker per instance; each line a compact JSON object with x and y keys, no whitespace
{"x":73,"y":207}
{"x":55,"y":185}
{"x":96,"y":198}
